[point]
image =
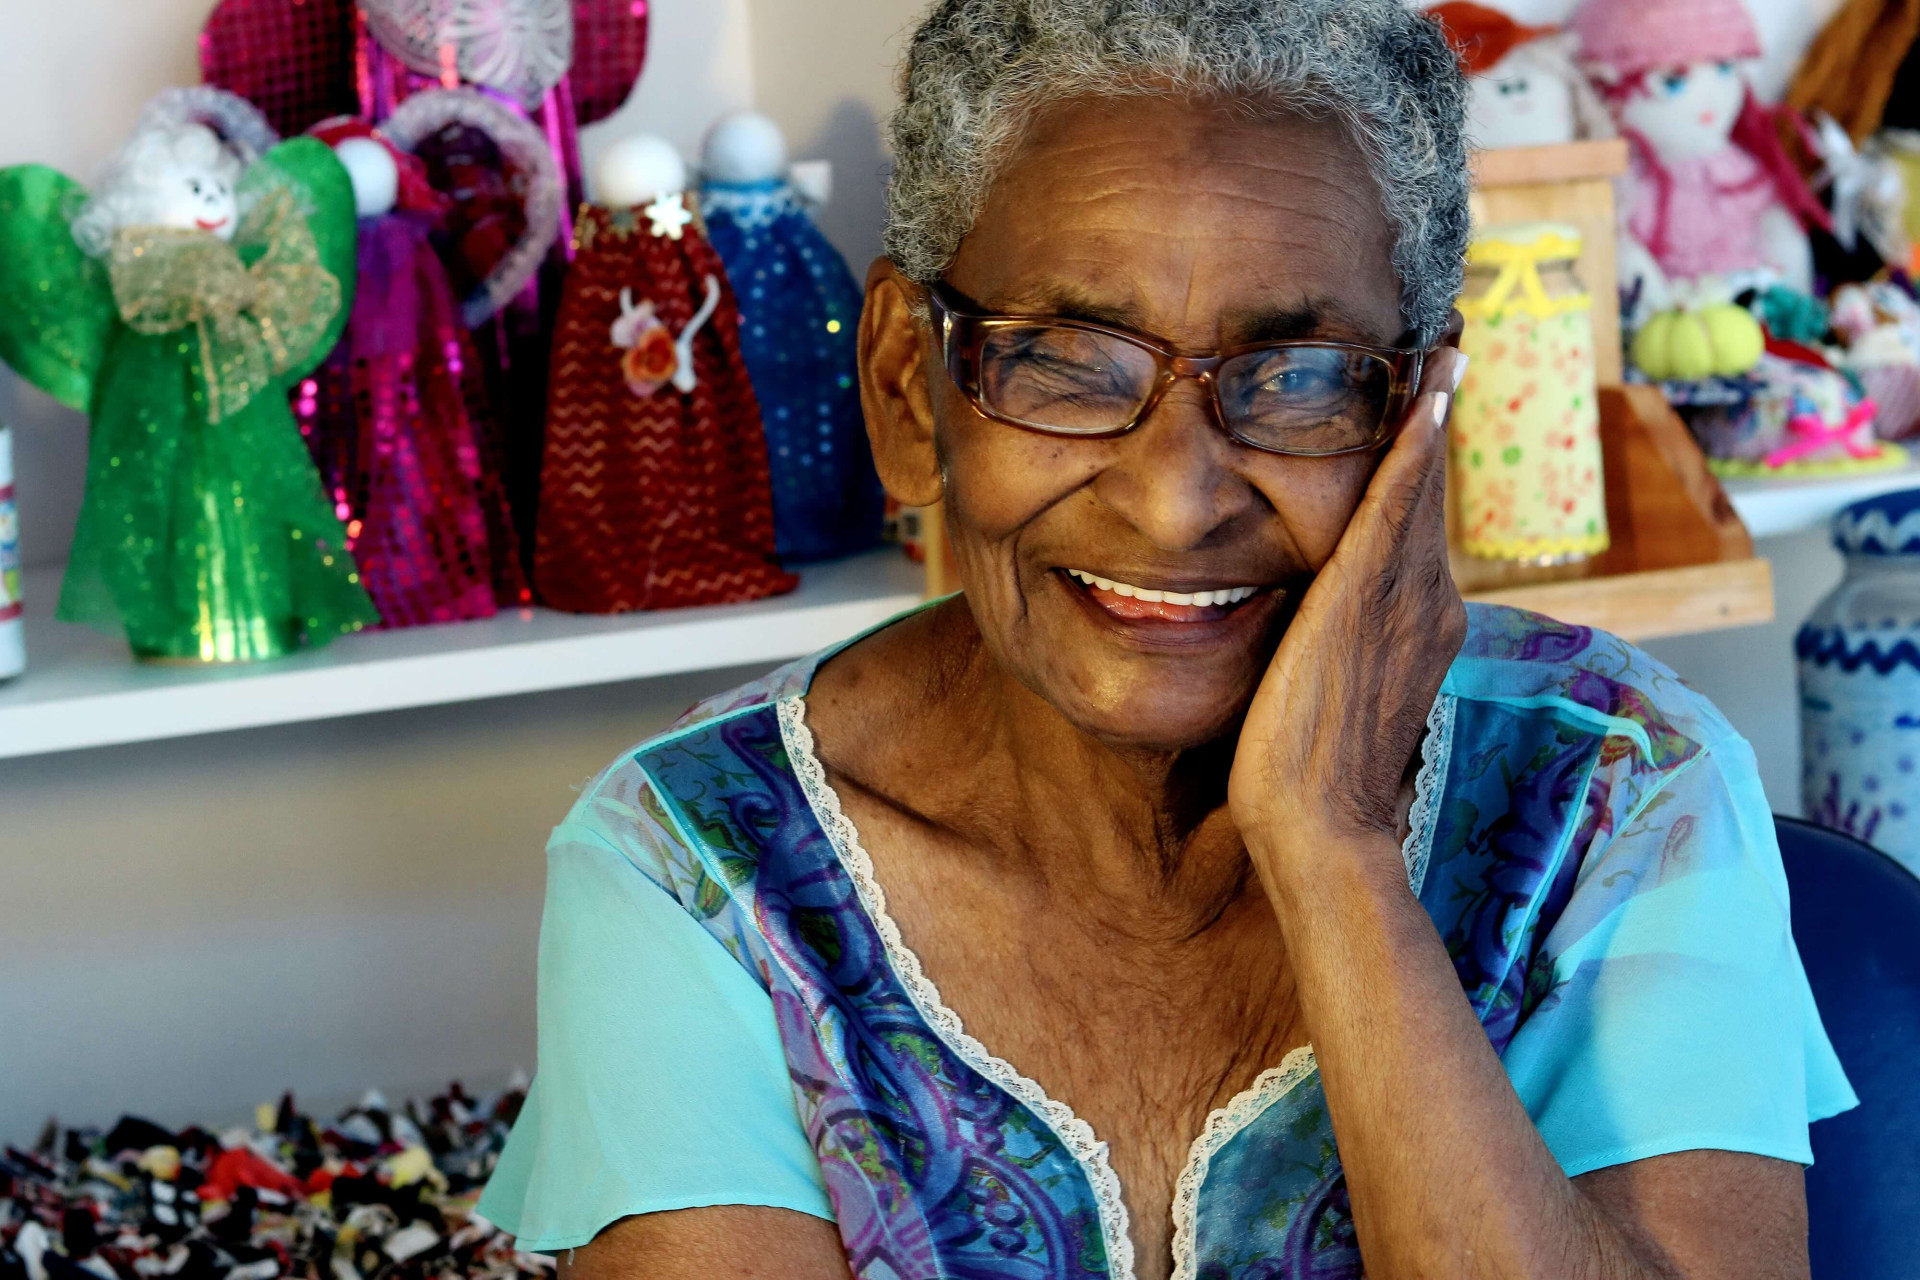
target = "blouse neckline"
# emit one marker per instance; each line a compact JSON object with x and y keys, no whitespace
{"x":1088,"y":1150}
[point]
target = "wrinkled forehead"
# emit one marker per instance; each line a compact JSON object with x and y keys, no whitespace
{"x":1206,"y":221}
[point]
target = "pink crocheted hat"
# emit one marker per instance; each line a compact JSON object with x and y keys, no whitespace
{"x":1631,"y":36}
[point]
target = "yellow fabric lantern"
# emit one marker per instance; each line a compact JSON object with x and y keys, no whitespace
{"x":1526,"y":426}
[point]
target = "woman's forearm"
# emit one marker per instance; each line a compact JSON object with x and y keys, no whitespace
{"x":1448,"y":1176}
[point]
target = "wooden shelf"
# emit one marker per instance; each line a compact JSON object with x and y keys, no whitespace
{"x":82,"y":689}
{"x":1656,"y":603}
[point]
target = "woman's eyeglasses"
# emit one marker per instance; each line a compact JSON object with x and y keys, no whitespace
{"x":1076,"y":378}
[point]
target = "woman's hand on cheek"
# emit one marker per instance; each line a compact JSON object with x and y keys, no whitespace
{"x":1339,"y":713}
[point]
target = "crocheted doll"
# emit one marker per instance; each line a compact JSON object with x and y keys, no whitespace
{"x":1526,"y":89}
{"x":1711,"y":189}
{"x":799,"y":323}
{"x":404,"y":438}
{"x":654,"y":491}
{"x":195,"y":285}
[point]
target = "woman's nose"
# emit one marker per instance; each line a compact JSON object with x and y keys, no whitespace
{"x":1175,"y":479}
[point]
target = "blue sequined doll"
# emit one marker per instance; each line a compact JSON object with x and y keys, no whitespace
{"x":799,"y":317}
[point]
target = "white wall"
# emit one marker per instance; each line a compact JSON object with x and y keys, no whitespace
{"x":189,"y":927}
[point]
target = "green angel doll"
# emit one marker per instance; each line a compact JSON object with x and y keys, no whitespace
{"x":179,"y":303}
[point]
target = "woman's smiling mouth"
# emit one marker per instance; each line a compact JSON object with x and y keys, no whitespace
{"x":1128,"y":602}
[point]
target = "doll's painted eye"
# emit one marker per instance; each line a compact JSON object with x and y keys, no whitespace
{"x":1674,"y":81}
{"x":1512,"y":87}
{"x":1726,"y":68}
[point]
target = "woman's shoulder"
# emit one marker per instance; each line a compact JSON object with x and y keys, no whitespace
{"x":1533,"y":666}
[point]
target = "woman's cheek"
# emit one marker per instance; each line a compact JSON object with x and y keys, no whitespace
{"x":1316,"y":498}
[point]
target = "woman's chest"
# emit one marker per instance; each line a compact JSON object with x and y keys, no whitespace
{"x":1139,"y":1031}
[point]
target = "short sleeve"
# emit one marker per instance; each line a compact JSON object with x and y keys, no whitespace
{"x":1676,"y":1015}
{"x":661,"y":1083}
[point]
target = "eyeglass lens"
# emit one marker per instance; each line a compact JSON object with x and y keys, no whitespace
{"x":1085,"y":382}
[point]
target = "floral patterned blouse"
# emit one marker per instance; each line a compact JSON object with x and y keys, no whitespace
{"x":728,"y":1015}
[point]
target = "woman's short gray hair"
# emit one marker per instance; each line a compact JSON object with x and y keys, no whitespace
{"x":977,"y":70}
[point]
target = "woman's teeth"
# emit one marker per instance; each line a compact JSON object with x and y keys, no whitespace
{"x":1203,"y":599}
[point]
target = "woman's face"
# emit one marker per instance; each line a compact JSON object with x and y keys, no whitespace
{"x":1208,"y":227}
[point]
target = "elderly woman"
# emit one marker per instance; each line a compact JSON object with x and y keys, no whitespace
{"x":1206,"y":891}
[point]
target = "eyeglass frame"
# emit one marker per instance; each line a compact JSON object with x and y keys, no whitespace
{"x":962,"y":329}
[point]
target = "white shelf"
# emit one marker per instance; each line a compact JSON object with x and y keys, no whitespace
{"x":82,"y":689}
{"x":1774,"y":507}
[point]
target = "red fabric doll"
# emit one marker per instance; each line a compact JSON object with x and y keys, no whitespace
{"x":654,"y":490}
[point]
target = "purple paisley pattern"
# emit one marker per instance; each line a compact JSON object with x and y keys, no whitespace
{"x":1559,"y":736}
{"x":933,"y":1170}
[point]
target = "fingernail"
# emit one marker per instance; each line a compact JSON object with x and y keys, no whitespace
{"x":1459,"y":371}
{"x":1441,"y":400}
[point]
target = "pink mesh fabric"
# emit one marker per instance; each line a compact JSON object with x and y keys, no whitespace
{"x":291,"y":58}
{"x":609,"y":48}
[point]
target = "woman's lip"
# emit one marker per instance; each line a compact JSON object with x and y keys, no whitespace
{"x":1160,"y":624}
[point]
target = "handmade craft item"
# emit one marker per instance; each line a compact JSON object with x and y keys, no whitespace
{"x":1792,"y":416}
{"x":799,"y":322}
{"x":1525,"y":434}
{"x":1859,"y":658}
{"x":1711,"y":190}
{"x":13,"y":638}
{"x":192,"y":289}
{"x":654,"y":491}
{"x":402,"y":434}
{"x":1526,"y":88}
{"x":1717,"y":340}
{"x":1880,"y":325}
{"x":378,"y":1191}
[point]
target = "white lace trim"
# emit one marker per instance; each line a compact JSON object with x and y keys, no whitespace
{"x":1222,"y":1123}
{"x":1436,"y":751}
{"x":1075,"y":1134}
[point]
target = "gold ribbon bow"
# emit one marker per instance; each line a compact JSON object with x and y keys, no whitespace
{"x":253,"y":323}
{"x":1519,"y":265}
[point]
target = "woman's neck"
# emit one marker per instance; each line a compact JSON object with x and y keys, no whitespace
{"x":1146,"y":833}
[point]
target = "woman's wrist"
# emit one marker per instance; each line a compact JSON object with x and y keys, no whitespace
{"x":1308,"y":868}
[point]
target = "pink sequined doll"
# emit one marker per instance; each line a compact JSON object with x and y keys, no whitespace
{"x":402,"y":439}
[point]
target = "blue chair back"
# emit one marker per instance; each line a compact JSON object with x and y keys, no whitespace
{"x":1856,"y":919}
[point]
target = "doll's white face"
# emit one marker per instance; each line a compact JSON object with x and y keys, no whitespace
{"x":192,"y":197}
{"x":1687,"y":112}
{"x":1520,"y":102}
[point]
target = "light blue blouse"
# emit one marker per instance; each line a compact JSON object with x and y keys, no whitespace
{"x":729,"y":1016}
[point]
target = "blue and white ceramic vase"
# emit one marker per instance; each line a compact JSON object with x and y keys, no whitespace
{"x":1860,"y":682}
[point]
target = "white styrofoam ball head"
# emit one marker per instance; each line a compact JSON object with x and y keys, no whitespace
{"x":637,"y":171}
{"x":744,"y":147}
{"x":376,"y":178}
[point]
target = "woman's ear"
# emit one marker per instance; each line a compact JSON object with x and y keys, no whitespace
{"x":1450,"y":336}
{"x":895,"y":355}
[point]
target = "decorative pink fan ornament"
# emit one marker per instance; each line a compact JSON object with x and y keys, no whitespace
{"x":519,"y":47}
{"x":295,"y":58}
{"x":291,"y":58}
